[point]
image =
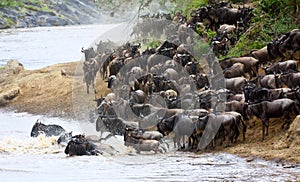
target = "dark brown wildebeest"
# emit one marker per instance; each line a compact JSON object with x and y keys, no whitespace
{"x":235,"y":84}
{"x":236,"y":70}
{"x":286,"y":46}
{"x":282,"y":67}
{"x":251,"y":64}
{"x":237,"y":106}
{"x":217,"y":125}
{"x":274,"y":109}
{"x":79,"y":145}
{"x":269,"y":81}
{"x":292,"y":80}
{"x":261,"y":55}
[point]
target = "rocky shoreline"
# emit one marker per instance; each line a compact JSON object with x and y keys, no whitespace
{"x":51,"y":13}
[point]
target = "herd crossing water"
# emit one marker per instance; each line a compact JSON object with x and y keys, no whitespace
{"x":23,"y":158}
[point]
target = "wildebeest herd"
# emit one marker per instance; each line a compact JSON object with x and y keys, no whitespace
{"x":168,"y":91}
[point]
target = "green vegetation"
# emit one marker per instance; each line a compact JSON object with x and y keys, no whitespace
{"x":185,"y":6}
{"x":11,"y":3}
{"x":153,"y":44}
{"x":35,"y":5}
{"x":272,"y":18}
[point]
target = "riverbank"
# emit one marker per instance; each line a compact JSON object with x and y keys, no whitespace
{"x":51,"y":90}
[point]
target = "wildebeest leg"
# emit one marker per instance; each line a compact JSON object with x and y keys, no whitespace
{"x":287,"y":121}
{"x":236,"y":134}
{"x":183,"y":141}
{"x":175,"y":140}
{"x":107,"y":137}
{"x":267,"y":127}
{"x":93,"y":84}
{"x":87,"y":88}
{"x":265,"y":124}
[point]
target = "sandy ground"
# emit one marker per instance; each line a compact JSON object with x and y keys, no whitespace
{"x":58,"y":90}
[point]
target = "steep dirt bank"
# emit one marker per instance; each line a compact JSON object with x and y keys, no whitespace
{"x":58,"y":90}
{"x":46,"y":91}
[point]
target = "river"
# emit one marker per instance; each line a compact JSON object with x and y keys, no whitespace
{"x":23,"y":158}
{"x":43,"y":46}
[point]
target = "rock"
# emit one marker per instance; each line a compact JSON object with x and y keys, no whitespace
{"x":249,"y":159}
{"x":14,"y":66}
{"x":9,"y":94}
{"x":3,"y":24}
{"x":56,"y":21}
{"x":63,"y":72}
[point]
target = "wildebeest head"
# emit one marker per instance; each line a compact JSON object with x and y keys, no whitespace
{"x":99,"y":101}
{"x":88,"y":53}
{"x":66,"y":137}
{"x":106,"y":109}
{"x":36,"y":129}
{"x":74,"y":148}
{"x":166,"y":126}
{"x":202,"y":121}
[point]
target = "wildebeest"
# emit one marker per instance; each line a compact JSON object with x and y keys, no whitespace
{"x":235,"y":84}
{"x":286,"y":46}
{"x":282,"y":67}
{"x":251,"y":64}
{"x":145,"y":135}
{"x":269,"y":81}
{"x":180,"y":124}
{"x":90,"y":69}
{"x":291,"y":80}
{"x":274,"y":109}
{"x":137,"y":97}
{"x":237,"y":106}
{"x":236,"y":70}
{"x":49,"y":130}
{"x":79,"y":145}
{"x":140,"y":142}
{"x":261,"y":55}
{"x":88,"y":53}
{"x":215,"y":125}
{"x":65,"y":138}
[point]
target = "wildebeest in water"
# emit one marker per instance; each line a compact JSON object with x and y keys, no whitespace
{"x":49,"y":130}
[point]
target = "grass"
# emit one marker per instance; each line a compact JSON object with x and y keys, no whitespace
{"x":35,"y":5}
{"x":272,"y":18}
{"x":11,"y":3}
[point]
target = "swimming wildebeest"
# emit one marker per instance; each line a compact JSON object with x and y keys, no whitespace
{"x":79,"y":145}
{"x":49,"y":130}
